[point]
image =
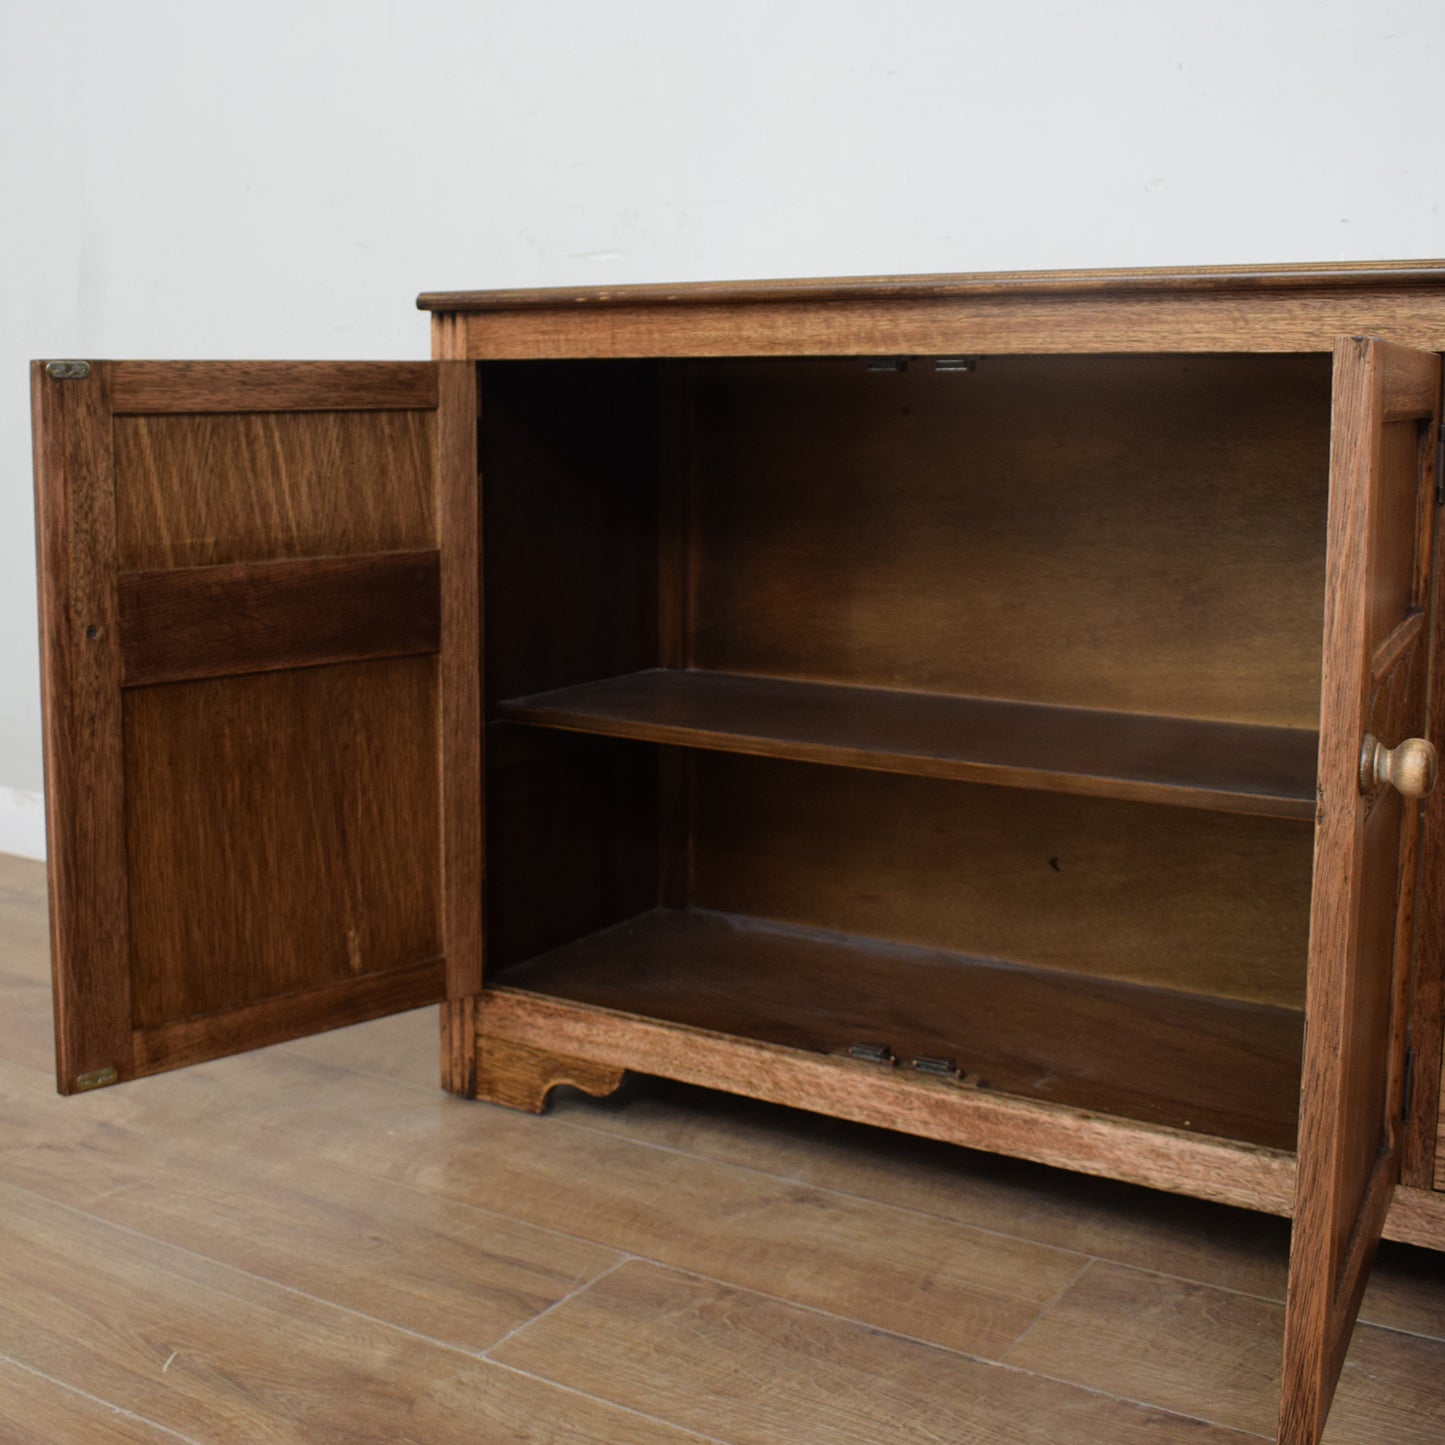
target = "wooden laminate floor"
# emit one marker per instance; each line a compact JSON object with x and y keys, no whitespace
{"x":313,"y":1243}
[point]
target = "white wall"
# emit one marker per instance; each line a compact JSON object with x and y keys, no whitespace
{"x":278,"y":179}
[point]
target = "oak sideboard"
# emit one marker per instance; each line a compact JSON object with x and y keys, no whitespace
{"x":994,"y":707}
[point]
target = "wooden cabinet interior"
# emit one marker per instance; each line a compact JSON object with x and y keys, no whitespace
{"x":957,"y":706}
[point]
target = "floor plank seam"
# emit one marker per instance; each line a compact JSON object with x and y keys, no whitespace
{"x":97,"y":1400}
{"x":556,"y":1304}
{"x":871,"y":1326}
{"x":235,"y":1269}
{"x":833,"y":1192}
{"x":981,"y":1360}
{"x":483,"y":1212}
{"x":827,"y":1189}
{"x":830,"y":1190}
{"x":1276,"y":1300}
{"x":1130,"y":1400}
{"x":1087,"y":1265}
{"x":611,"y":1404}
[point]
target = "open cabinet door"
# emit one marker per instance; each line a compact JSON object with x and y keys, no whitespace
{"x":1361,"y":928}
{"x":259,"y":641}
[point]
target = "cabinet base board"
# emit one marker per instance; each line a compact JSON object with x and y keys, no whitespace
{"x":867,"y":1093}
{"x":1417,"y":1216}
{"x":523,"y":1077}
{"x":527,"y":1044}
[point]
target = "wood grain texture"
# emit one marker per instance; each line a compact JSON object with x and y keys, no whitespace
{"x":1213,"y":1355}
{"x":1307,"y":319}
{"x":282,"y":834}
{"x":457,"y":1041}
{"x":1231,"y":767}
{"x":523,"y":1077}
{"x":248,"y":1194}
{"x":1208,"y":903}
{"x":193,"y":622}
{"x":81,"y":712}
{"x":1132,"y":534}
{"x":214,"y":1353}
{"x":448,"y":341}
{"x":287,"y":1016}
{"x":1360,"y":928}
{"x":1118,"y":280}
{"x":702,"y":1354}
{"x":287,"y":741}
{"x":1417,"y":1216}
{"x":37,"y":1410}
{"x":823,"y":1249}
{"x":1047,"y":1133}
{"x":354,"y":1186}
{"x":1422,"y":1162}
{"x":196,"y":491}
{"x":1185,"y":1061}
{"x":460,"y":760}
{"x":171,"y":387}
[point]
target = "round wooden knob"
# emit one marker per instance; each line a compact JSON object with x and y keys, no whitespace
{"x":1409,"y":768}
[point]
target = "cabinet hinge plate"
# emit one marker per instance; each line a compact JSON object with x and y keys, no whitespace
{"x":67,"y":370}
{"x":872,"y":1053}
{"x":939,"y":1068}
{"x":98,"y":1078}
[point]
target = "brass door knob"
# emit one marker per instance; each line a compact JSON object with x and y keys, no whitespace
{"x":1409,"y":768}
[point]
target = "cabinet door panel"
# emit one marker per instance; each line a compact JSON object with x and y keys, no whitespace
{"x":1361,"y":926}
{"x":260,"y":652}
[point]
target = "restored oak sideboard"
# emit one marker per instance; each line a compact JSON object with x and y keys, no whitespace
{"x":994,"y":707}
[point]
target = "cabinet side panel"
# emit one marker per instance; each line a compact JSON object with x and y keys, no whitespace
{"x":573,"y":838}
{"x":569,"y":461}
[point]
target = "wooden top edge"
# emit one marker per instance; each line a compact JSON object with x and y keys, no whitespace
{"x":1348,"y":274}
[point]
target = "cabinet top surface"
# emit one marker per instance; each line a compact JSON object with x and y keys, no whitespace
{"x":1321,"y":275}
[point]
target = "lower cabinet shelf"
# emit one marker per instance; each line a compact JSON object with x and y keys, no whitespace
{"x":1195,"y":1063}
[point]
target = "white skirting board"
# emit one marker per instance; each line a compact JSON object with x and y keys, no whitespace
{"x":22,"y":823}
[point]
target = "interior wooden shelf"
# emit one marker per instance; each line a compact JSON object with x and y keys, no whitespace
{"x":1211,"y":1065}
{"x":1228,"y":767}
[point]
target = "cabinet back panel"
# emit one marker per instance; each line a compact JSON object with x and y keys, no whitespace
{"x":193,"y":490}
{"x":1209,"y":903}
{"x":283,"y":831}
{"x":1143,"y":534}
{"x":569,"y":460}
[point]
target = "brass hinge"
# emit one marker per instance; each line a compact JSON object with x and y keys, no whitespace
{"x":67,"y":370}
{"x":98,"y":1078}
